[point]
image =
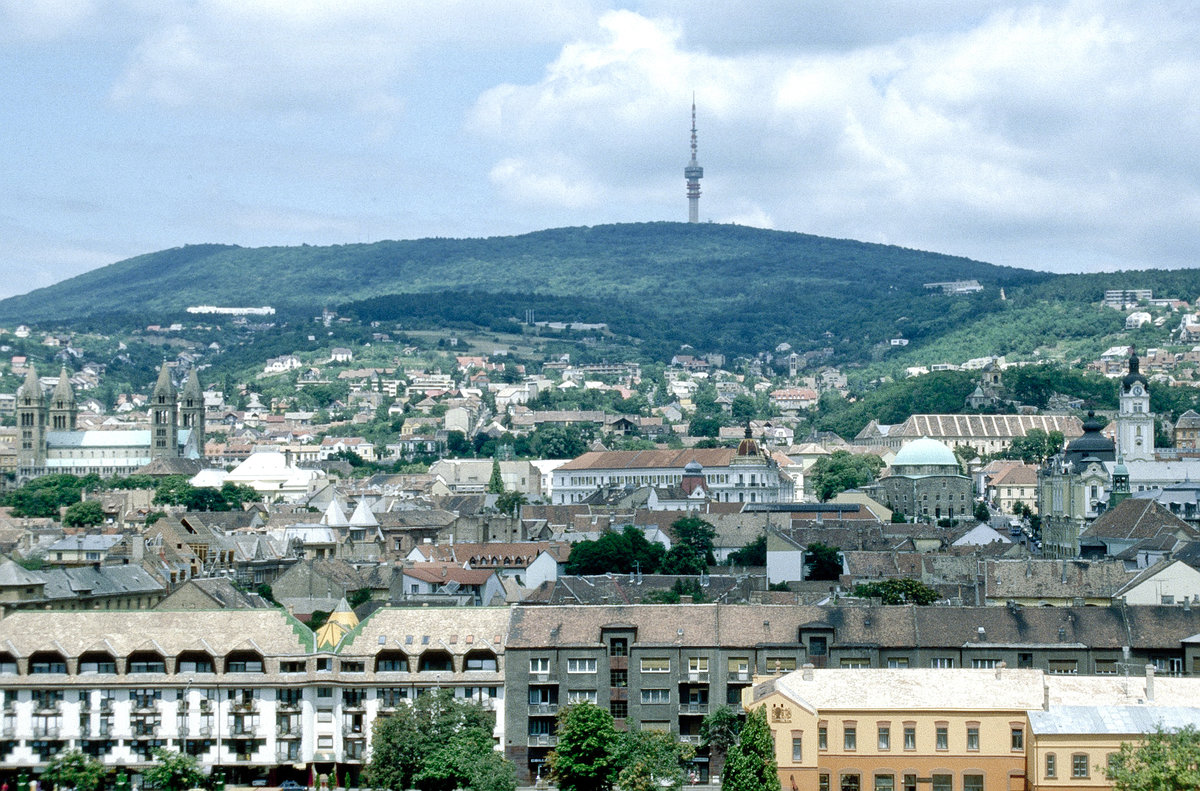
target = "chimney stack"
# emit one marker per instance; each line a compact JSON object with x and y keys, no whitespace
{"x":1149,"y":683}
{"x":999,"y":667}
{"x":807,"y":667}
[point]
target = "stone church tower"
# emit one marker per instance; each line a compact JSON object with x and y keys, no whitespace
{"x":164,"y":425}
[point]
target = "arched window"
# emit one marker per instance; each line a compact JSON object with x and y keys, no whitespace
{"x":436,"y":661}
{"x":391,"y":662}
{"x":97,"y":662}
{"x":194,"y":662}
{"x":47,"y":662}
{"x":146,"y":662}
{"x":243,"y":662}
{"x":481,"y":660}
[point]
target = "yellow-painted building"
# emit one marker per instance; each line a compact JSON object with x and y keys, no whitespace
{"x":900,"y":730}
{"x":961,"y":730}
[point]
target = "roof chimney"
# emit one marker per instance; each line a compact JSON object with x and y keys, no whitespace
{"x":807,"y":667}
{"x":1000,"y":666}
{"x":980,"y":634}
{"x":1149,"y":683}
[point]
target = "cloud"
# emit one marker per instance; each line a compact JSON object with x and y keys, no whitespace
{"x":43,"y":20}
{"x":1017,"y":135}
{"x":304,"y":57}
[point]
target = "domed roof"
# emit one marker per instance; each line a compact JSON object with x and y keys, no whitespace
{"x":925,"y":451}
{"x":693,"y":467}
{"x":1134,"y":375}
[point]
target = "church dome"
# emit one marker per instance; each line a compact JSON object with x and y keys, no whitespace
{"x":925,"y":452}
{"x":1134,"y":375}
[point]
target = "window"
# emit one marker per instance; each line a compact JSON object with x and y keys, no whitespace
{"x":797,"y":749}
{"x":656,"y":664}
{"x":973,"y":737}
{"x":353,"y":667}
{"x":851,"y":782}
{"x":823,"y":782}
{"x":581,"y":696}
{"x":850,"y":738}
{"x":485,"y":661}
{"x":325,"y":742}
{"x":618,"y":678}
{"x":697,"y":664}
{"x":1062,"y":667}
{"x":856,"y":662}
{"x":1106,"y":667}
{"x":822,"y":738}
{"x":94,"y":666}
{"x":910,"y":737}
{"x":781,"y":664}
{"x":897,"y":661}
{"x":1018,"y":739}
{"x":984,"y":663}
{"x":885,"y":782}
{"x":972,"y":782}
{"x":619,"y":709}
{"x":739,"y":668}
{"x":909,"y":783}
{"x":539,"y":664}
{"x":817,"y":646}
{"x":942,"y":738}
{"x":1079,"y":765}
{"x":941,"y":662}
{"x":885,"y":737}
{"x":656,"y":696}
{"x":1051,"y":765}
{"x":581,"y":665}
{"x":943,"y":783}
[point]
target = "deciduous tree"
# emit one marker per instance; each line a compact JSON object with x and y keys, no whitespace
{"x":842,"y":470}
{"x":750,"y":765}
{"x":1165,"y":761}
{"x":173,"y":771}
{"x":585,"y":757}
{"x":74,"y":769}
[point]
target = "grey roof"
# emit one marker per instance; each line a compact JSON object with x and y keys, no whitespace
{"x":70,"y":583}
{"x":1118,"y":720}
{"x":13,"y":574}
{"x":92,"y":543}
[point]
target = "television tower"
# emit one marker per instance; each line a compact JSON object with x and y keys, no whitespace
{"x":693,"y":173}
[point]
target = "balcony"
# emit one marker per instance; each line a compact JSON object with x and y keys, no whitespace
{"x":542,"y":740}
{"x":354,"y":705}
{"x":697,"y":677}
{"x":204,"y":730}
{"x":693,"y":708}
{"x":47,"y":708}
{"x":286,"y":731}
{"x":246,"y":707}
{"x":536,"y":709}
{"x":45,"y":731}
{"x":288,"y":705}
{"x":689,"y":738}
{"x":106,"y":706}
{"x":543,"y":678}
{"x":144,"y":707}
{"x":353,"y":733}
{"x":739,"y":677}
{"x":287,"y":756}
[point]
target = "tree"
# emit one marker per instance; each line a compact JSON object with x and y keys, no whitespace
{"x":981,"y":512}
{"x":436,"y":744}
{"x":719,"y":731}
{"x":753,"y":554}
{"x":750,"y":764}
{"x":585,"y":757}
{"x":624,"y":551}
{"x":173,"y":771}
{"x":89,"y":512}
{"x":1035,"y":447}
{"x":897,"y":591}
{"x":824,"y":562}
{"x":510,"y":502}
{"x":496,"y":482}
{"x":842,"y":470}
{"x":704,"y":426}
{"x":1166,"y":761}
{"x":692,"y":552}
{"x":651,"y":761}
{"x":743,"y":408}
{"x":74,"y":769}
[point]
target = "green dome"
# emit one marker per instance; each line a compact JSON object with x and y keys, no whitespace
{"x":925,"y":452}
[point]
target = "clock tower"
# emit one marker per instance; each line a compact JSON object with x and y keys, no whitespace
{"x":1135,"y":422}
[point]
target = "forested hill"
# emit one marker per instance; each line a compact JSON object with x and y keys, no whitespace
{"x":718,"y":287}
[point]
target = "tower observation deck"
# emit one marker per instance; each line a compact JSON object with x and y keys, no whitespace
{"x":693,"y":173}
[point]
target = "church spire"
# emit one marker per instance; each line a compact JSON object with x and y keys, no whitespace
{"x":63,"y":411}
{"x":31,"y":392}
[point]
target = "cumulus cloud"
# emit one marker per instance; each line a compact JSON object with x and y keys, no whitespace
{"x":1030,"y":132}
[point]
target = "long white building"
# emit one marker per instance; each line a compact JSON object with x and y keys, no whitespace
{"x":745,"y":474}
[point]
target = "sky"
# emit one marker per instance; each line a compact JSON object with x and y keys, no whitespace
{"x":1060,"y":136}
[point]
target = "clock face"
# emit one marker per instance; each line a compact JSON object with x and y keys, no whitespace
{"x":1137,"y":390}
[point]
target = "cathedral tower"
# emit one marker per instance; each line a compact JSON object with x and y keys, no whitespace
{"x":164,"y":426}
{"x":31,"y":423}
{"x":64,"y":413}
{"x":191,"y":409}
{"x":693,"y":173}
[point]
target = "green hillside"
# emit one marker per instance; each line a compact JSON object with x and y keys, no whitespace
{"x":722,"y":288}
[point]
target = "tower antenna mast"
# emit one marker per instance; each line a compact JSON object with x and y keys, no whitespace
{"x":693,"y":173}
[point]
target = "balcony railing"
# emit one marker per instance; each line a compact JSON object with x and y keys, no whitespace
{"x":739,"y":675}
{"x":353,"y":733}
{"x":693,"y":708}
{"x":542,"y":740}
{"x":245,"y":706}
{"x":47,"y":707}
{"x":697,"y":677}
{"x":543,"y":708}
{"x":687,"y":738}
{"x":45,"y":731}
{"x":286,"y":757}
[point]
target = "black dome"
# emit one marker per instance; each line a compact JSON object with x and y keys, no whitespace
{"x":1134,"y":375}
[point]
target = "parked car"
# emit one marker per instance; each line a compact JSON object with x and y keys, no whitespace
{"x":290,"y":785}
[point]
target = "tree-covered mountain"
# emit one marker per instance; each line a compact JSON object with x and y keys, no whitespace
{"x":717,"y":287}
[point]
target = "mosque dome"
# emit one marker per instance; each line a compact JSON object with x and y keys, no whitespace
{"x":925,"y":452}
